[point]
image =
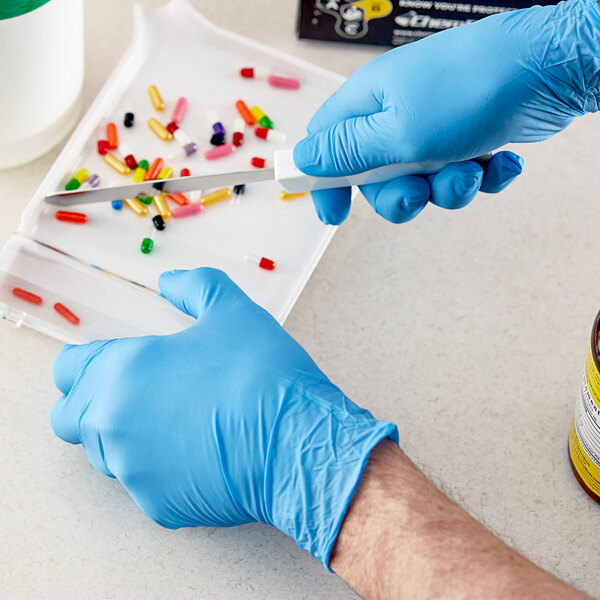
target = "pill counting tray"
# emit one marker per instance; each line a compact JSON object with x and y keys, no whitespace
{"x":97,"y":269}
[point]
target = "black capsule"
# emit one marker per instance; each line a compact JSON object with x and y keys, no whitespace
{"x":159,"y":222}
{"x":129,"y":119}
{"x":238,"y":190}
{"x":217,"y":139}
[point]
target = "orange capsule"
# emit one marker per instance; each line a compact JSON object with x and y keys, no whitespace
{"x":71,"y":217}
{"x":112,"y":136}
{"x":63,"y":311}
{"x":154,"y":169}
{"x":179,"y":198}
{"x":245,"y":112}
{"x":27,"y":296}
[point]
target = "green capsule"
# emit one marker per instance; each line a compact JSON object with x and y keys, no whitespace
{"x":266,"y":122}
{"x":143,"y":164}
{"x":72,"y":185}
{"x":146,"y":200}
{"x":147,"y":245}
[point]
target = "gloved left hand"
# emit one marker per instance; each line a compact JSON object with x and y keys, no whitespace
{"x":227,"y":422}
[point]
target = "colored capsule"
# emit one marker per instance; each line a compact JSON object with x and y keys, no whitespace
{"x":288,"y":83}
{"x":270,"y":135}
{"x":238,"y":192}
{"x":184,"y":152}
{"x":154,"y":169}
{"x":261,"y":261}
{"x":163,"y":208}
{"x":266,"y":122}
{"x":140,"y":173}
{"x":217,"y":196}
{"x":238,"y":132}
{"x":102,"y":147}
{"x":245,"y":112}
{"x":91,"y":182}
{"x":187,"y":210}
{"x":63,"y":311}
{"x":162,"y":132}
{"x":172,"y":127}
{"x":159,"y":222}
{"x":116,"y":164}
{"x":254,"y":72}
{"x":179,"y":198}
{"x":147,"y":200}
{"x":165,"y":173}
{"x":129,"y":119}
{"x":147,"y":245}
{"x":217,"y":139}
{"x":257,"y":113}
{"x":136,"y":206}
{"x":76,"y":181}
{"x":117,"y":204}
{"x":284,"y":195}
{"x":219,"y":151}
{"x":112,"y":136}
{"x":155,"y":97}
{"x":258,"y":162}
{"x":127,"y":155}
{"x":179,"y":110}
{"x":215,"y":122}
{"x":185,"y":172}
{"x":181,"y":137}
{"x":27,"y":296}
{"x":71,"y":217}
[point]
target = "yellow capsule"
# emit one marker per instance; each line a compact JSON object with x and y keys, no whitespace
{"x":137,"y":207}
{"x":162,"y":207}
{"x":165,"y":173}
{"x":216,"y":196}
{"x":257,"y":113}
{"x":156,"y":98}
{"x":82,"y":175}
{"x":116,"y":164}
{"x":139,"y":175}
{"x":289,"y":196}
{"x":162,"y":132}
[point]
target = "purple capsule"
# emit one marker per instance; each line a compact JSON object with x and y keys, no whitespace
{"x":91,"y":182}
{"x":184,"y":151}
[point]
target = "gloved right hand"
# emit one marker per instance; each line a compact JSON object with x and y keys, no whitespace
{"x":513,"y":77}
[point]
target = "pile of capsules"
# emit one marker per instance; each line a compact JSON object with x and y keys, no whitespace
{"x":120,"y":157}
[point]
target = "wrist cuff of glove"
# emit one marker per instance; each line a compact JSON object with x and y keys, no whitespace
{"x":329,"y":440}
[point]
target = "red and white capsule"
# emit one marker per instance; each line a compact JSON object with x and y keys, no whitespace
{"x":271,"y":135}
{"x":238,"y":132}
{"x":254,"y":72}
{"x":261,"y":261}
{"x":126,"y":154}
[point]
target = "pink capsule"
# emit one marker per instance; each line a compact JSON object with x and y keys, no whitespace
{"x":283,"y":82}
{"x":179,"y":110}
{"x":187,"y":210}
{"x":219,"y":151}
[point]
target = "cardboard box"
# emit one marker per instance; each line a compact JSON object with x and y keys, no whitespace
{"x":392,"y":23}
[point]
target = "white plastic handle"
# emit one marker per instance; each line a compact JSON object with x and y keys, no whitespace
{"x":294,"y":181}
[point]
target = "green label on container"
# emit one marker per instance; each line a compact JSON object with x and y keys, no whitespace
{"x":14,"y":8}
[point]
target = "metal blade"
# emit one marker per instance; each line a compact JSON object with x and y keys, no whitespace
{"x":157,"y":187}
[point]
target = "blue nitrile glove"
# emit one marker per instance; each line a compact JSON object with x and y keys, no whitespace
{"x":513,"y":77}
{"x":227,"y":422}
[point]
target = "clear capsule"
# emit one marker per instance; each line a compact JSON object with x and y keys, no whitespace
{"x":181,"y":137}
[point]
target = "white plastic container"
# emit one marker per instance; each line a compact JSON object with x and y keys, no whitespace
{"x":41,"y":75}
{"x":97,"y":270}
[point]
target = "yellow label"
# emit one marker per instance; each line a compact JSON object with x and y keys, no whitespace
{"x":584,"y":438}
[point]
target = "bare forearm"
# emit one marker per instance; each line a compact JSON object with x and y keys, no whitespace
{"x":402,"y":538}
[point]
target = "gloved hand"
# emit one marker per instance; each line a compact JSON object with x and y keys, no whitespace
{"x":513,"y":77}
{"x":227,"y":422}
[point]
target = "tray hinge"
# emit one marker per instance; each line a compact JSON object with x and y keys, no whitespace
{"x":13,"y":316}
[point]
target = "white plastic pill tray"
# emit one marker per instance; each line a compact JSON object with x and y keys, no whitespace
{"x":96,"y":269}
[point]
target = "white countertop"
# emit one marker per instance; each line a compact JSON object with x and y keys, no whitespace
{"x":468,"y":329}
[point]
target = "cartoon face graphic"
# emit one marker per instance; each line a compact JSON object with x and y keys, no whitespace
{"x":352,"y":18}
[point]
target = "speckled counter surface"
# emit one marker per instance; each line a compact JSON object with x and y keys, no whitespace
{"x":468,"y":329}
